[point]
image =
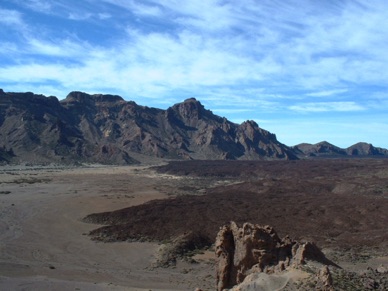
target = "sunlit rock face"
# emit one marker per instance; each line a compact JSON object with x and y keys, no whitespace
{"x":251,"y":248}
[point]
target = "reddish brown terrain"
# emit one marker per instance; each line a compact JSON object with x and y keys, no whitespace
{"x":167,"y":218}
{"x":55,"y":189}
{"x":339,"y":204}
{"x":336,"y":203}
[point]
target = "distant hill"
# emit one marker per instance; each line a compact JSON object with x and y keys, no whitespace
{"x":325,"y":149}
{"x":107,"y":129}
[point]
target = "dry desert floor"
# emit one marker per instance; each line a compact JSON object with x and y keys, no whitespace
{"x":44,"y":243}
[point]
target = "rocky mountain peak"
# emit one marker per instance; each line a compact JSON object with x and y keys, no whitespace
{"x":363,"y":148}
{"x":250,"y":123}
{"x":28,"y":100}
{"x":106,"y":128}
{"x":81,"y":97}
{"x":190,"y":109}
{"x":192,"y":99}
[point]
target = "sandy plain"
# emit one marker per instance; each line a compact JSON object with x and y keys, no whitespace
{"x":43,"y":242}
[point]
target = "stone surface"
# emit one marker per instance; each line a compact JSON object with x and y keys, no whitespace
{"x":241,"y":251}
{"x":325,"y":280}
{"x":107,"y":129}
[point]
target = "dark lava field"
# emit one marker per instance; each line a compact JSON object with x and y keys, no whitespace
{"x":338,"y":203}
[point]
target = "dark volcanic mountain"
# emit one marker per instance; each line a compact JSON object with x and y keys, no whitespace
{"x":108,"y":129}
{"x":325,"y":149}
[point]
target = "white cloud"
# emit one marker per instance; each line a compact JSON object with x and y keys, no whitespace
{"x":78,"y":16}
{"x":10,"y":17}
{"x":62,"y":48}
{"x":272,"y":46}
{"x":326,"y":107}
{"x":103,"y":16}
{"x":42,"y":6}
{"x":250,"y":60}
{"x":327,"y":93}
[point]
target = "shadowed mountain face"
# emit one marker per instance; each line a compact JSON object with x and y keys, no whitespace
{"x":108,"y":129}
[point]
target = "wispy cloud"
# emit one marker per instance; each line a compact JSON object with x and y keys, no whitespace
{"x":266,"y":56}
{"x":78,"y":16}
{"x":327,"y":93}
{"x":62,"y":48}
{"x":224,"y":44}
{"x":10,"y":17}
{"x":231,"y":110}
{"x":327,"y":107}
{"x":42,"y":6}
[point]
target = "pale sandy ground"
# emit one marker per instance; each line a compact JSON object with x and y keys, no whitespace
{"x":43,"y":245}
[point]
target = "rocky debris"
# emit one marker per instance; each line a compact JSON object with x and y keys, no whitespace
{"x":382,"y":269}
{"x":241,"y":251}
{"x":375,"y":279}
{"x":324,"y":280}
{"x":370,"y":279}
{"x":179,"y":248}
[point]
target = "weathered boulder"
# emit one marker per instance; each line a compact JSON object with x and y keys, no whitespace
{"x":251,"y":248}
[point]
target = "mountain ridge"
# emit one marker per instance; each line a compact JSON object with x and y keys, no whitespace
{"x":103,"y":128}
{"x":326,"y":149}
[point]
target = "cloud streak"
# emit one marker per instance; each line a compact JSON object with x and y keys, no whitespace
{"x":251,"y":50}
{"x":264,"y":56}
{"x":327,"y":107}
{"x":10,"y":17}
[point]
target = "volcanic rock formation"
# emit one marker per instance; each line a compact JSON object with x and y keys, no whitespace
{"x":241,"y":251}
{"x":108,"y":129}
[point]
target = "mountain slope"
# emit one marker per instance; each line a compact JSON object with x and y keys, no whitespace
{"x":108,"y":129}
{"x":325,"y":149}
{"x":366,"y":149}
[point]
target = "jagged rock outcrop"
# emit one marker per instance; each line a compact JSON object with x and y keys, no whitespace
{"x":39,"y":129}
{"x":241,"y":251}
{"x":108,"y":129}
{"x":324,"y":279}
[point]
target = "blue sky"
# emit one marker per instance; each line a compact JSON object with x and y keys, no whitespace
{"x":306,"y":70}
